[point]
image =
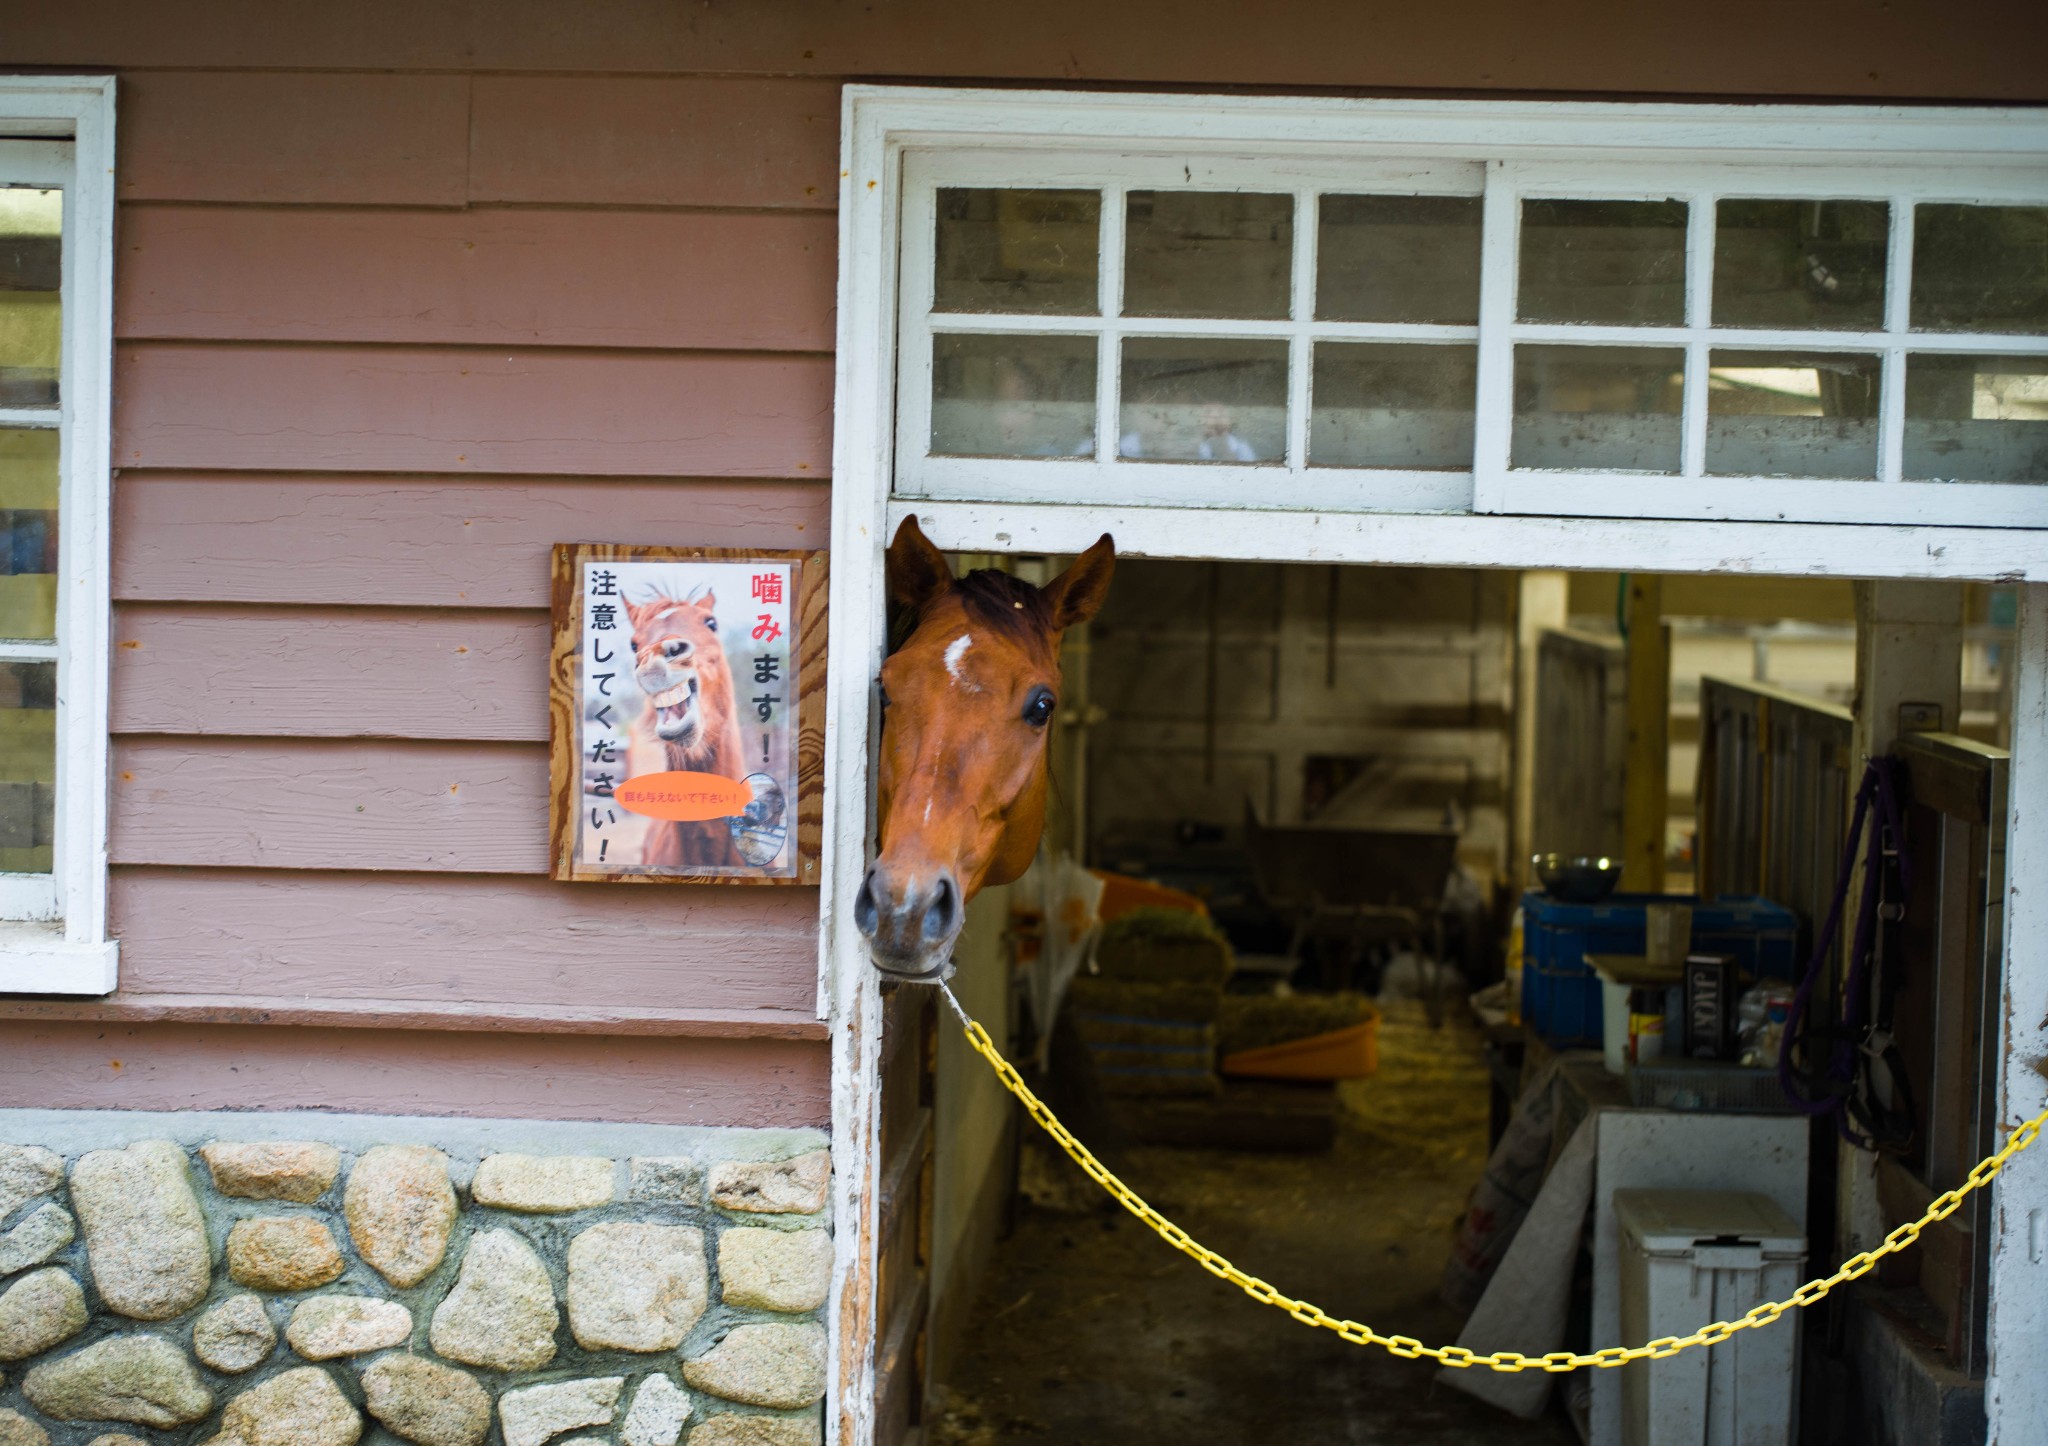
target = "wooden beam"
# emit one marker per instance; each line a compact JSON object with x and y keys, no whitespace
{"x":1542,"y":602}
{"x":1645,"y":780}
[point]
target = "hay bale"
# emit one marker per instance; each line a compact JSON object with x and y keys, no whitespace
{"x":1148,"y":1039}
{"x":1163,"y":946}
{"x":1258,"y":1022}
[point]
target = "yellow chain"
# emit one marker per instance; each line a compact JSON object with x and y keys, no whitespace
{"x":1509,"y":1361}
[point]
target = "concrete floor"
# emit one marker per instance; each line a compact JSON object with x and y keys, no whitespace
{"x":1093,"y":1332}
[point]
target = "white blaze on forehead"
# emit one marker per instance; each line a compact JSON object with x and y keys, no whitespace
{"x":955,"y":651}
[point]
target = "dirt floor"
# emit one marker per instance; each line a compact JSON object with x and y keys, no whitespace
{"x":1093,"y":1332}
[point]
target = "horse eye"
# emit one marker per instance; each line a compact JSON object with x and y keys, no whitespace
{"x":710,"y":625}
{"x":1039,"y":709}
{"x":884,"y":692}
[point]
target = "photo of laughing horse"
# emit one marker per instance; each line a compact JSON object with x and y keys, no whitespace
{"x":692,"y":709}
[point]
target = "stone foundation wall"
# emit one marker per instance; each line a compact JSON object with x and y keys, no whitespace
{"x":318,"y":1280}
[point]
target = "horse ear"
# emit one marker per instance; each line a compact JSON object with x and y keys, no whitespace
{"x":917,"y":571}
{"x":1078,"y":594}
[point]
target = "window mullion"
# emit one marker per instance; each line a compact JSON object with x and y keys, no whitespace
{"x":1303,"y":310}
{"x":1699,"y":284}
{"x":1494,"y":394}
{"x":1109,"y":349}
{"x":1898,"y":320}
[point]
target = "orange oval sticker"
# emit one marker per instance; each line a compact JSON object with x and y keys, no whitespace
{"x":684,"y":796}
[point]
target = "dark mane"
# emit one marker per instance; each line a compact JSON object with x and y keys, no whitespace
{"x":997,"y":601}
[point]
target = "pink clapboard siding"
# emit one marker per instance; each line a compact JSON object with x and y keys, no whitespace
{"x":92,"y":1064}
{"x":449,"y":939}
{"x":429,"y":542}
{"x":747,"y":281}
{"x":277,"y":407}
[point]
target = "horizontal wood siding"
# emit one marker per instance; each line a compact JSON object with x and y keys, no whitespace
{"x":1905,"y":48}
{"x":426,"y":542}
{"x":505,"y":277}
{"x":273,"y":407}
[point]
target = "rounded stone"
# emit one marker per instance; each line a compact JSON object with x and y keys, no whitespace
{"x":732,"y":1430}
{"x":534,"y":1414}
{"x":780,"y":1366}
{"x":142,"y":1379}
{"x":297,"y":1170}
{"x":401,"y":1210}
{"x":543,"y":1184}
{"x":144,"y":1235}
{"x":788,"y":1270}
{"x":17,"y":1430}
{"x":636,"y":1287}
{"x":39,"y":1311}
{"x":283,"y":1252}
{"x":117,"y":1440}
{"x":427,"y":1402}
{"x":501,"y":1313}
{"x":660,"y":1407}
{"x":27,"y":1171}
{"x":346,"y":1325}
{"x":47,"y":1230}
{"x":666,"y":1177}
{"x":773,"y":1187}
{"x":301,"y":1407}
{"x":234,"y":1336}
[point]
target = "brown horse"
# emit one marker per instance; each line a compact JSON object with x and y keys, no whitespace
{"x":680,"y":665}
{"x":967,"y":699}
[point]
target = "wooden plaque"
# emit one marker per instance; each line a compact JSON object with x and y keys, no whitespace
{"x":686,"y":715}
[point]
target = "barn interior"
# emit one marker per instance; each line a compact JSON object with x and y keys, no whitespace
{"x":1287,"y":963}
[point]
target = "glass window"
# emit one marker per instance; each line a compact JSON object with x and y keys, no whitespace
{"x":1792,"y":414}
{"x":1619,"y":262}
{"x":1801,"y":264}
{"x":1398,"y":258}
{"x":31,"y":309}
{"x":1017,"y":251}
{"x":1598,"y":408}
{"x":1980,"y":268}
{"x":1977,"y":418}
{"x":1191,"y":399}
{"x":1207,"y":253}
{"x":1392,"y":405}
{"x":1013,"y":395}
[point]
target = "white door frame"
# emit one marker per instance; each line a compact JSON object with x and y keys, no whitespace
{"x":880,"y":123}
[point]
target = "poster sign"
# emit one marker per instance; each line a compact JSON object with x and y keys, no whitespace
{"x":686,"y":714}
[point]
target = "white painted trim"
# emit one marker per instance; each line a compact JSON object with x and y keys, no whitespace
{"x":2001,"y":151}
{"x":82,"y":959}
{"x":2016,"y":1381}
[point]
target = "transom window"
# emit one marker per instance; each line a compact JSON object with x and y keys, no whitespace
{"x":1701,"y":339}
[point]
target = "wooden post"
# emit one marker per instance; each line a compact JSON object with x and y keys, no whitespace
{"x":1646,"y":774}
{"x":1541,"y":602}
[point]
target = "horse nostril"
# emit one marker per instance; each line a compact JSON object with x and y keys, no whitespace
{"x":865,"y":917}
{"x":940,"y":917}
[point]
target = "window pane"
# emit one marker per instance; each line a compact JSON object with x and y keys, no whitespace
{"x":1196,"y":400}
{"x":31,"y":318}
{"x":1792,"y":414}
{"x":1393,"y":406}
{"x":1207,"y":253}
{"x":1398,"y":258}
{"x":1980,"y":268}
{"x":1815,"y":264}
{"x":1977,"y":418}
{"x":1598,"y":408}
{"x":1013,"y":396}
{"x":1028,"y":251}
{"x":28,"y":533}
{"x":1619,"y":262}
{"x":28,"y":766}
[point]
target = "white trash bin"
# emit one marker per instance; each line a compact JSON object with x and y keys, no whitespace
{"x":1688,"y":1258}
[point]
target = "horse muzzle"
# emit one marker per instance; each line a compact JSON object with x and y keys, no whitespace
{"x":909,"y":921}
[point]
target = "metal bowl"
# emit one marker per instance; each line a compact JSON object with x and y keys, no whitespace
{"x":1577,"y":880}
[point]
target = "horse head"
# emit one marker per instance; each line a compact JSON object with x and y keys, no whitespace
{"x":967,"y":702}
{"x":679,"y":664}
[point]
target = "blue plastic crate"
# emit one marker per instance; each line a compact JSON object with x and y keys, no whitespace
{"x":1561,"y":998}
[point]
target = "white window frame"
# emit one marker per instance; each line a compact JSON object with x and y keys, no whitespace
{"x":53,"y":929}
{"x":882,"y":126}
{"x":1387,"y":148}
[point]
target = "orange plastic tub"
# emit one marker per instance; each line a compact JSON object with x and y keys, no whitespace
{"x":1349,"y":1053}
{"x":1121,"y":893}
